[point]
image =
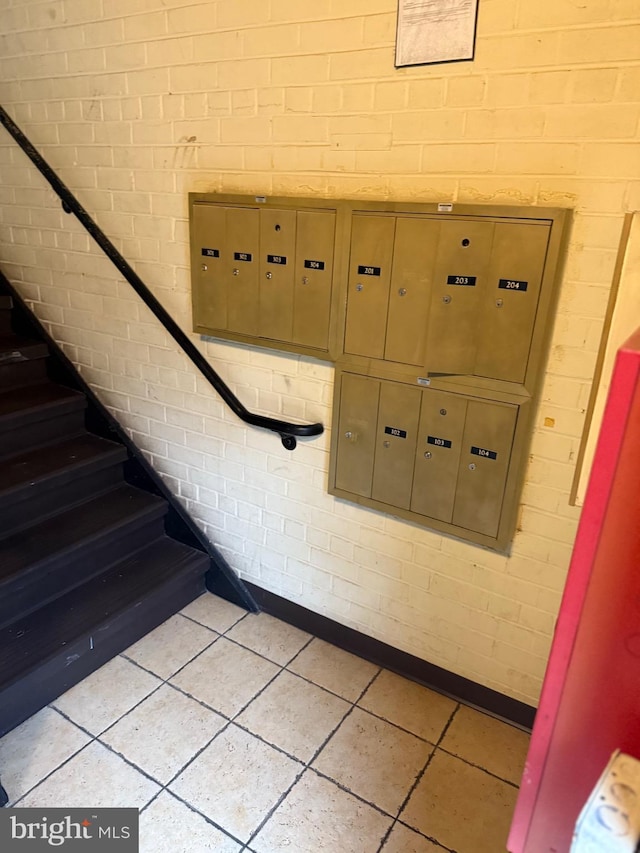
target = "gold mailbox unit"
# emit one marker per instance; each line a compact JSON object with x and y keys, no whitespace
{"x":262,"y":270}
{"x":447,"y":312}
{"x":437,"y":316}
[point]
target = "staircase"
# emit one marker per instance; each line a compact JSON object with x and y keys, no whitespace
{"x":86,"y":564}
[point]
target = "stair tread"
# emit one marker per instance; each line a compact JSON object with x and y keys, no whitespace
{"x":41,"y":635}
{"x":46,"y":462}
{"x":28,"y":347}
{"x":30,"y":399}
{"x":66,"y":531}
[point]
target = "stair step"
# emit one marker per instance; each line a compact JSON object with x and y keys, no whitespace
{"x":34,"y":415}
{"x":22,"y":360}
{"x":42,"y":482}
{"x":15,"y":349}
{"x":52,"y":557}
{"x":52,"y":649}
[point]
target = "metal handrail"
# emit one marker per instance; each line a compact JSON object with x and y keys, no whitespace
{"x":70,"y":204}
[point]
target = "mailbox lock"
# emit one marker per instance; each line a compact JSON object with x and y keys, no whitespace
{"x":359,"y":287}
{"x":427,"y":455}
{"x":204,"y":267}
{"x":305,"y":279}
{"x":386,"y":444}
{"x":446,"y":299}
{"x":499,"y":303}
{"x":402,"y":291}
{"x":443,"y":411}
{"x":472,"y":466}
{"x":348,"y":435}
{"x":236,"y":272}
{"x":269,"y":275}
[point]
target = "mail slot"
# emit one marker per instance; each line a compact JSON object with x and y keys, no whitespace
{"x":398,"y":414}
{"x":510,"y":302}
{"x":277,"y":263}
{"x":369,"y":281}
{"x":359,"y":399}
{"x":437,"y":458}
{"x":313,"y":277}
{"x":484,"y":464}
{"x":459,"y":282}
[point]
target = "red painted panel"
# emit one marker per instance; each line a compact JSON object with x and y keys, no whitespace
{"x":590,"y":703}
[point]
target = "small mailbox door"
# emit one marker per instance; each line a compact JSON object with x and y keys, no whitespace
{"x":414,"y":254}
{"x":440,"y":434}
{"x":511,"y":300}
{"x":240,"y":264}
{"x":359,"y":398}
{"x":277,"y":263}
{"x":396,"y":444}
{"x":459,"y":279}
{"x":209,"y":239}
{"x":486,"y":450}
{"x":313,"y":277}
{"x":369,"y":279}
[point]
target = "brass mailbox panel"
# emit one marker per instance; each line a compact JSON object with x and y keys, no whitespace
{"x":443,"y":459}
{"x":277,"y":266}
{"x":460,"y":278}
{"x":437,"y":460}
{"x":313,"y":277}
{"x":398,"y":415}
{"x":263,"y":271}
{"x":484,"y":463}
{"x":369,"y":280}
{"x":511,"y":301}
{"x":437,"y":316}
{"x":357,"y":434}
{"x":415,"y":246}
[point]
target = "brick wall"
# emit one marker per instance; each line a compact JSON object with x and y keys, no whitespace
{"x":137,"y":102}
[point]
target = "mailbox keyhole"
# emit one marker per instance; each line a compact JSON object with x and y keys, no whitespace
{"x":466,"y":242}
{"x":277,"y":228}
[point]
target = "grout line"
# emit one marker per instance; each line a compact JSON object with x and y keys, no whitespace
{"x":418,"y":779}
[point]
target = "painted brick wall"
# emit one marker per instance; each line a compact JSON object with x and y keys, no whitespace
{"x":137,"y":102}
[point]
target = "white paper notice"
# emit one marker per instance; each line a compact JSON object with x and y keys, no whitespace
{"x":435,"y":31}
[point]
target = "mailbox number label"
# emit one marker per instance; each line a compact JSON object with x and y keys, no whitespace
{"x":369,"y":270}
{"x":439,"y":442}
{"x":512,"y":284}
{"x":314,"y":265}
{"x":481,"y":451}
{"x":242,"y":256}
{"x":464,"y":280}
{"x":211,"y":253}
{"x":399,"y":433}
{"x":277,"y":259}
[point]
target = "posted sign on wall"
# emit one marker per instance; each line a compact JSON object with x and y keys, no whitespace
{"x":435,"y":31}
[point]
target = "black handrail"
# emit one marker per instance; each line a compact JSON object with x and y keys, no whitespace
{"x":70,"y":204}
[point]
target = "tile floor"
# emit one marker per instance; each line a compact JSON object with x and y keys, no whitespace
{"x":237,"y":732}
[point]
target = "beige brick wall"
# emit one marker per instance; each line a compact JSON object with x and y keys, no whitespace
{"x":137,"y":102}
